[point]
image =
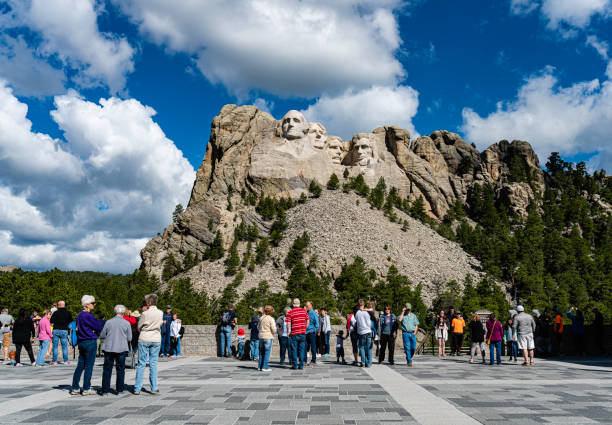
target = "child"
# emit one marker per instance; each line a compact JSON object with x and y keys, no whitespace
{"x":511,"y":340}
{"x":340,"y":347}
{"x":241,"y":339}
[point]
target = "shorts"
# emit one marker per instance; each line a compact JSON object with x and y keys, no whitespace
{"x":525,"y":342}
{"x":6,"y":340}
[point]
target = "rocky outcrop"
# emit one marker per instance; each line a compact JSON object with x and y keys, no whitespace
{"x":249,"y":152}
{"x":8,"y":269}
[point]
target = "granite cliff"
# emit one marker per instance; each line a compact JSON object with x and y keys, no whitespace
{"x":250,"y":153}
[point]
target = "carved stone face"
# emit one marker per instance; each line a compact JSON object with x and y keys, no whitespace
{"x":294,"y":125}
{"x":317,"y":135}
{"x":334,"y":149}
{"x":364,"y":150}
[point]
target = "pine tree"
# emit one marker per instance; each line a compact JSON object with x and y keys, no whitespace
{"x":333,"y":182}
{"x":296,"y":252}
{"x":315,"y":189}
{"x":247,"y":254}
{"x":262,"y":251}
{"x":215,"y":251}
{"x":417,"y":210}
{"x":277,"y":231}
{"x":178,"y":210}
{"x":232,"y":262}
{"x":345,"y":174}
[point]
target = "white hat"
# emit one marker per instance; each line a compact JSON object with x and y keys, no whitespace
{"x":520,"y":308}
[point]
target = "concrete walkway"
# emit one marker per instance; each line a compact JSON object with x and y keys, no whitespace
{"x":226,"y":391}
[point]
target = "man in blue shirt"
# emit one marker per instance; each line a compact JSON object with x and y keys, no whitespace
{"x":311,"y":333}
{"x":165,"y":332}
{"x":409,"y":324}
{"x":387,"y":330}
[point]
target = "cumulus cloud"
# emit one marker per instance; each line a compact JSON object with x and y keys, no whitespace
{"x":282,"y":47}
{"x":91,"y":200}
{"x":569,"y":120}
{"x":28,"y":72}
{"x":357,"y":111}
{"x":601,"y":46}
{"x":68,"y":31}
{"x":564,"y":14}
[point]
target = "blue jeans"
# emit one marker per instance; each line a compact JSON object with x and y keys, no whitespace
{"x":497,"y":346}
{"x":42,"y":350}
{"x":118,"y":359}
{"x":165,"y":344}
{"x":283,"y":342}
{"x":409,"y":340}
{"x":297,"y":350}
{"x":365,"y":349}
{"x":254,"y":348}
{"x":311,"y":345}
{"x":240,"y":353}
{"x":265,"y":348}
{"x":327,"y":336}
{"x":87,"y":359}
{"x":178,"y":347}
{"x":60,"y":336}
{"x":147,"y":352}
{"x":225,"y":338}
{"x":513,"y":349}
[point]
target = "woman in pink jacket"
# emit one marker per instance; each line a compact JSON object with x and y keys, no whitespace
{"x":44,"y":337}
{"x":495,"y":335}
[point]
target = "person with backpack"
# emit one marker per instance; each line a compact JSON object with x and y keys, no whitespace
{"x":228,"y":321}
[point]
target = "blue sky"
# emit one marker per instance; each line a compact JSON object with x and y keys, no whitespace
{"x":537,"y":70}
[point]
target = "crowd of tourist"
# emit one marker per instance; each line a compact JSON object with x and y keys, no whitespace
{"x":301,"y":332}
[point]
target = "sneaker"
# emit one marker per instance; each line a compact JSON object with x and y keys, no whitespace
{"x":52,"y":363}
{"x":36,"y":365}
{"x":89,"y":392}
{"x":409,"y":364}
{"x":136,"y":393}
{"x":66,"y":363}
{"x":75,"y":392}
{"x":155,"y":392}
{"x":18,"y":364}
{"x":471,"y":361}
{"x":266,"y":370}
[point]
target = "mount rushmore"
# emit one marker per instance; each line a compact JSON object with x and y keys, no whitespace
{"x":251,"y":152}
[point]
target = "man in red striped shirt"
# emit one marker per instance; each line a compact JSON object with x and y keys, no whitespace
{"x":297,"y":322}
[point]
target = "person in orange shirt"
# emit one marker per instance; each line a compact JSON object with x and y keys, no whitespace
{"x":557,"y":332}
{"x":457,"y":326}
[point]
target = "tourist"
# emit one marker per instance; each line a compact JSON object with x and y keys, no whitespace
{"x":441,"y":329}
{"x":267,"y":329}
{"x":557,"y":331}
{"x":117,"y":334}
{"x":44,"y":337}
{"x":149,"y":343}
{"x":23,"y":336}
{"x":524,"y":325}
{"x":175,"y":335}
{"x":511,"y":340}
{"x":363,"y":325}
{"x":387,"y":329}
{"x":598,"y":330}
{"x":340,"y":347}
{"x":477,"y":337}
{"x":495,"y":336}
{"x":6,"y":323}
{"x":578,"y":331}
{"x":457,"y":325}
{"x":409,"y":325}
{"x":353,"y":334}
{"x":283,"y":336}
{"x":88,"y":331}
{"x":35,"y":318}
{"x":165,"y":332}
{"x":449,"y":317}
{"x":73,"y":337}
{"x":132,"y":318}
{"x":311,"y":333}
{"x":240,"y":340}
{"x":298,"y":320}
{"x":60,"y":321}
{"x":371,"y":309}
{"x":102,"y":321}
{"x":254,"y":341}
{"x":325,"y":332}
{"x":228,"y":321}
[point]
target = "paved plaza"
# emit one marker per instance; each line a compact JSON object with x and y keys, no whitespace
{"x":226,"y":391}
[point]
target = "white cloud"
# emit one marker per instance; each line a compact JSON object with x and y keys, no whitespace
{"x":69,"y":32}
{"x":564,"y":15}
{"x":363,"y":110}
{"x":89,"y":201}
{"x":282,"y":47}
{"x":568,"y":120}
{"x":28,"y":73}
{"x":601,"y":46}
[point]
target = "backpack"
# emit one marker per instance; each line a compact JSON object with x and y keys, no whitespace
{"x":226,"y":318}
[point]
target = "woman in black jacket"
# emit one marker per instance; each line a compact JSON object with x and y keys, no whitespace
{"x":477,"y":331}
{"x":23,"y":335}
